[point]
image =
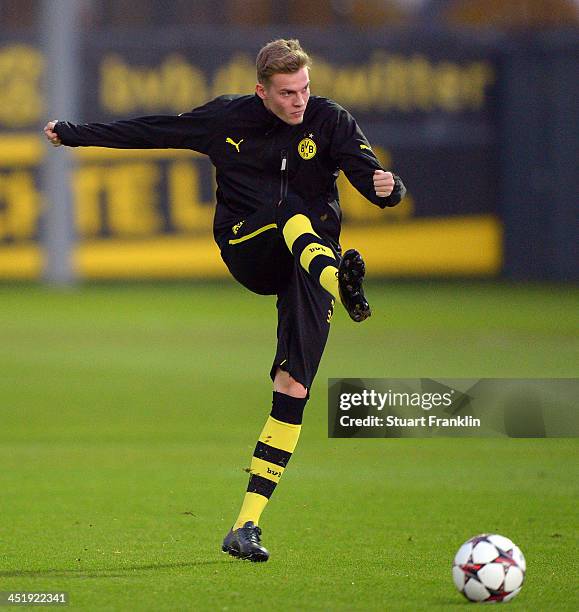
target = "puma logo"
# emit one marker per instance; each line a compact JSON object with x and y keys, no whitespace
{"x":363,"y":146}
{"x":237,"y":227}
{"x":232,"y":142}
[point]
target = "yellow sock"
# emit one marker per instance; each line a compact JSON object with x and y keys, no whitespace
{"x":251,"y":509}
{"x":329,"y":281}
{"x":272,"y":453}
{"x":314,"y":254}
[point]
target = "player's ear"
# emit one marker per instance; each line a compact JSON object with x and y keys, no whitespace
{"x":260,"y":91}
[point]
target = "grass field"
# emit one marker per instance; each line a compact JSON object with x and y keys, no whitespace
{"x":129,"y":412}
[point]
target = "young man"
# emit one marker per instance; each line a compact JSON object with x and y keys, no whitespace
{"x":277,"y":155}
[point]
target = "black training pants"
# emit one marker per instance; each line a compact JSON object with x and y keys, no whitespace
{"x":257,"y":256}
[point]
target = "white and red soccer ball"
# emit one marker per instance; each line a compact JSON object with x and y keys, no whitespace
{"x":489,"y":568}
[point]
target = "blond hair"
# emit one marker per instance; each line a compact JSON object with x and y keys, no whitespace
{"x":280,"y":57}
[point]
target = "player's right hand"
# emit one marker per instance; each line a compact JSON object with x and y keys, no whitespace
{"x":51,"y":135}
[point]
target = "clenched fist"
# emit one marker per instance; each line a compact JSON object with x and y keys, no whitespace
{"x":383,"y":183}
{"x":51,"y":135}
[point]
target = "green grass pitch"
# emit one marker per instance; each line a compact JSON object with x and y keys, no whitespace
{"x":129,"y":412}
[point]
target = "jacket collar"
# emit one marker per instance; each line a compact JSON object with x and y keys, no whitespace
{"x":269,"y":120}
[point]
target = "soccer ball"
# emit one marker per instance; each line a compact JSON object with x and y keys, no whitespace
{"x":489,"y":568}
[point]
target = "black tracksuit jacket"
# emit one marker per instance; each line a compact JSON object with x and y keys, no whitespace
{"x":245,"y":143}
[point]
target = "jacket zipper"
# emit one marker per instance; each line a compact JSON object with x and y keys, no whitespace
{"x":284,"y":176}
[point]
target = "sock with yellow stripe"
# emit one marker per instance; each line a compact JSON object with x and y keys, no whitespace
{"x":272,"y":453}
{"x":313,"y":252}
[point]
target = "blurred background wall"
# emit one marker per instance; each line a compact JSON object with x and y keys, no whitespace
{"x":472,"y":102}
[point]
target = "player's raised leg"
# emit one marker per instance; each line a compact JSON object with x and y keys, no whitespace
{"x":342,"y":279}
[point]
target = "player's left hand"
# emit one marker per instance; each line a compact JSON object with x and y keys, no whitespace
{"x":383,"y":183}
{"x":51,"y":135}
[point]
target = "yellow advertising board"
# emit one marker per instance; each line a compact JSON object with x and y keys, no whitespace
{"x":121,"y":225}
{"x":148,"y":214}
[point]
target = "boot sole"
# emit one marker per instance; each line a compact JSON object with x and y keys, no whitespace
{"x":259,"y":558}
{"x":350,"y":277}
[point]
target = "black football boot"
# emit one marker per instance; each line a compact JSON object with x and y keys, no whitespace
{"x":350,"y":277}
{"x":245,"y":543}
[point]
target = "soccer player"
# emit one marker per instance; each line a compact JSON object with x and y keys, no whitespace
{"x":277,"y":155}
